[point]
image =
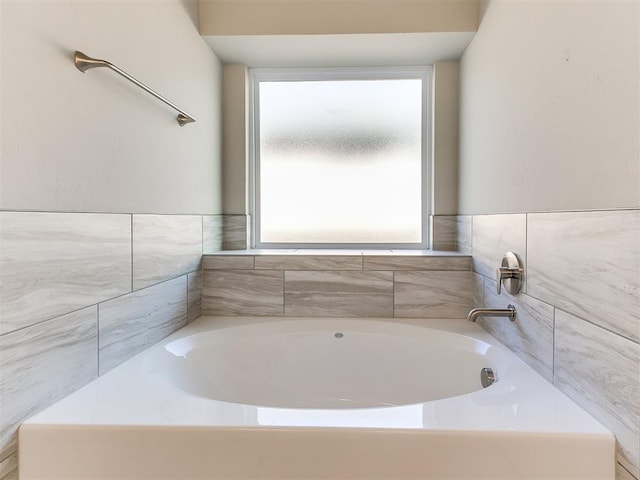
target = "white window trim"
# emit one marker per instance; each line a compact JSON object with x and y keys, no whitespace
{"x":256,"y":75}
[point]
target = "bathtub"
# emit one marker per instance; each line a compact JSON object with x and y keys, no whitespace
{"x":269,"y":398}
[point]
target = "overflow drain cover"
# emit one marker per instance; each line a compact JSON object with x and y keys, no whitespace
{"x":487,"y":377}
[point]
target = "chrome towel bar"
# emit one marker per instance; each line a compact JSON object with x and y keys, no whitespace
{"x":84,"y":63}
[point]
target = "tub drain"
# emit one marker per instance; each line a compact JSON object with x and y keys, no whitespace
{"x":339,"y":335}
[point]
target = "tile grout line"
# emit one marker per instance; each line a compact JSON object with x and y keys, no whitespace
{"x":284,"y":304}
{"x":98,"y":338}
{"x":553,"y":349}
{"x":526,"y":254}
{"x":8,"y":455}
{"x":187,"y":297}
{"x":46,"y":320}
{"x":626,"y":469}
{"x":393,"y":293}
{"x":624,"y":337}
{"x":568,"y":312}
{"x":131,"y":231}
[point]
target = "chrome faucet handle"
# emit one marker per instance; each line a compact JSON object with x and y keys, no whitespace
{"x":511,"y":273}
{"x":500,"y":272}
{"x":504,"y":273}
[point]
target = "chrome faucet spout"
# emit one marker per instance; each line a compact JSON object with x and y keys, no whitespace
{"x":509,"y":312}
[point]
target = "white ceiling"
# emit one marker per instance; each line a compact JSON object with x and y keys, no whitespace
{"x":353,"y":50}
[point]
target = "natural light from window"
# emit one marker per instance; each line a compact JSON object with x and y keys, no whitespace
{"x":340,"y":161}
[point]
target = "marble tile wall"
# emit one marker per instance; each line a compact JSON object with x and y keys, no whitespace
{"x":194,"y":295}
{"x":65,"y":278}
{"x":492,"y":236}
{"x":588,"y":264}
{"x":212,"y":235}
{"x":451,"y":233}
{"x":338,"y":293}
{"x":41,"y":364}
{"x":337,"y":285}
{"x":597,"y":369}
{"x":235,"y":232}
{"x":579,"y":319}
{"x":51,"y":264}
{"x":432,"y":294}
{"x":9,"y":468}
{"x":464,"y":234}
{"x":165,"y":246}
{"x":243,"y":292}
{"x":443,"y":232}
{"x":531,"y":337}
{"x":129,"y":324}
{"x":623,"y":474}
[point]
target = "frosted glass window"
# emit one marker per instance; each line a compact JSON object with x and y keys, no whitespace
{"x":340,"y":162}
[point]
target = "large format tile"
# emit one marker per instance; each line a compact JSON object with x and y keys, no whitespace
{"x":623,"y":474}
{"x":164,"y":247}
{"x":129,"y":324}
{"x":194,"y":295}
{"x":477,"y":290}
{"x":330,"y":252}
{"x":599,"y":370}
{"x":339,"y":293}
{"x":212,"y":226}
{"x":228,"y":262}
{"x":432,"y":294}
{"x":243,"y":292}
{"x":463,"y":234}
{"x":9,"y":448}
{"x":9,"y":468}
{"x":309,"y":262}
{"x":55,"y":263}
{"x":493,"y":236}
{"x":530,"y":337}
{"x":443,"y":228}
{"x":588,"y":264}
{"x":235,"y":232}
{"x":43,"y":363}
{"x":417,"y":262}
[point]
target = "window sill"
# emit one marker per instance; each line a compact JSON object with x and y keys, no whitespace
{"x":341,"y":252}
{"x":337,"y":260}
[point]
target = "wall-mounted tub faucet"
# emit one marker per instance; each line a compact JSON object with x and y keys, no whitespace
{"x":509,"y":312}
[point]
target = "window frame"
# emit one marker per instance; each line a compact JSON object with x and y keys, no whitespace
{"x":258,"y":75}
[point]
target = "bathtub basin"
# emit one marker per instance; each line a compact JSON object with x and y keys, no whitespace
{"x":307,"y":364}
{"x":318,"y":398}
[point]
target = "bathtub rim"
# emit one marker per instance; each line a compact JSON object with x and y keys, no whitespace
{"x":80,"y":407}
{"x":72,"y":444}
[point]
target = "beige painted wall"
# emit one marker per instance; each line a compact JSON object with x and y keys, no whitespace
{"x":550,"y":94}
{"x":313,"y":17}
{"x":93,"y":141}
{"x":445,"y":138}
{"x":235,"y":118}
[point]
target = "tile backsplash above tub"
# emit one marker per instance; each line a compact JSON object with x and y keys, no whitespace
{"x":588,"y":264}
{"x":358,"y":284}
{"x":55,"y":263}
{"x":42,"y":363}
{"x":81,"y":292}
{"x":579,"y":320}
{"x":165,"y":246}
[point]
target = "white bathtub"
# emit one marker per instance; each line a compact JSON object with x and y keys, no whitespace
{"x":251,"y":398}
